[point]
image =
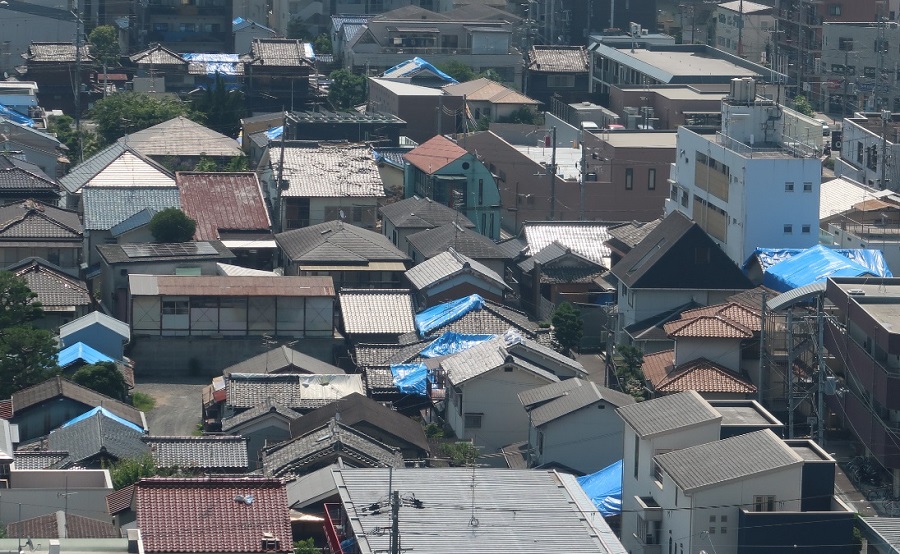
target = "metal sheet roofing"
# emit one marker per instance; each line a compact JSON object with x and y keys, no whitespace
{"x":217,"y":285}
{"x":282,"y":359}
{"x":839,"y":195}
{"x":334,"y":170}
{"x":105,"y":207}
{"x":585,"y":238}
{"x":447,"y":265}
{"x":80,"y":352}
{"x":377,"y":311}
{"x":477,"y":510}
{"x":667,"y":413}
{"x":723,"y":461}
{"x":557,"y":400}
{"x":182,"y":137}
{"x":239,"y":203}
{"x":127,"y":169}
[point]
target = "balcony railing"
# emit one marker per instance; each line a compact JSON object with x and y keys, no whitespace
{"x":882,"y":382}
{"x":875,"y":434}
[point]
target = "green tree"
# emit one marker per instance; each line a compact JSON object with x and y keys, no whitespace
{"x":521,"y":115}
{"x":222,"y":109}
{"x":17,"y":302}
{"x":129,"y":471}
{"x":86,"y":142}
{"x":346,"y":90}
{"x":460,"y":71}
{"x":104,"y":44}
{"x":134,"y":111}
{"x":103,"y":377}
{"x":322,"y":44}
{"x":206,"y":164}
{"x":27,"y":354}
{"x":629,"y":370}
{"x":567,"y":327}
{"x":801,"y":104}
{"x":237,"y":163}
{"x":172,"y":225}
{"x":460,"y":453}
{"x":296,"y":29}
{"x":306,"y":546}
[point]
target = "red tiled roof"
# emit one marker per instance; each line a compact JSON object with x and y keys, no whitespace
{"x":120,"y":500}
{"x":212,"y":514}
{"x":434,"y":154}
{"x":708,"y":326}
{"x":700,"y":375}
{"x":733,"y":311}
{"x":223,"y":202}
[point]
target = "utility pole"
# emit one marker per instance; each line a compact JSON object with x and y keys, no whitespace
{"x":762,"y":350}
{"x":881,"y":87}
{"x":395,"y":523}
{"x":551,"y":171}
{"x":740,"y":44}
{"x":583,"y":176}
{"x":789,"y":371}
{"x":78,"y":30}
{"x":820,"y":354}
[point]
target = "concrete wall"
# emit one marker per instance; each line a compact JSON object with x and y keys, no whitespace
{"x":38,"y":493}
{"x":725,"y":352}
{"x":587,"y":440}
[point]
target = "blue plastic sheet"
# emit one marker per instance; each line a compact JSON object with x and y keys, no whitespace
{"x":419,"y":63}
{"x":80,"y":351}
{"x":15,"y":116}
{"x":223,"y":64}
{"x":448,"y":312}
{"x":452,"y":343}
{"x":411,"y":378}
{"x":106,"y":413}
{"x":812,"y":266}
{"x":275,"y":132}
{"x":873,"y":260}
{"x":604,"y":488}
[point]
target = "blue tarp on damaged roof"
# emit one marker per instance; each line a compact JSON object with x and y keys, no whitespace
{"x":452,"y":343}
{"x":873,"y":260}
{"x":817,"y":264}
{"x":604,"y":488}
{"x":80,"y":351}
{"x":448,"y":312}
{"x":411,"y":378}
{"x":15,"y":116}
{"x":416,"y":65}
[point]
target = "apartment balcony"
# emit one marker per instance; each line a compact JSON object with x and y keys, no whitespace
{"x":882,"y":382}
{"x":878,"y":436}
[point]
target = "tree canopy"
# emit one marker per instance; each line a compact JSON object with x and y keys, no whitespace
{"x":567,"y":326}
{"x":104,"y":44}
{"x":27,"y":354}
{"x":103,"y":377}
{"x":134,"y":111}
{"x":347,"y":89}
{"x":222,"y":108}
{"x":172,"y":225}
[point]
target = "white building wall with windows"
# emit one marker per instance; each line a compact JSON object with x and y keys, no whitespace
{"x":758,"y":24}
{"x":863,"y":152}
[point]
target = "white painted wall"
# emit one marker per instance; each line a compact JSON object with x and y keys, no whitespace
{"x":587,"y":440}
{"x":725,"y":352}
{"x":639,"y":304}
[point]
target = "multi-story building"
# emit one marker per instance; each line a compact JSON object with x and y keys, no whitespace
{"x":799,"y":36}
{"x":850,"y":61}
{"x":571,"y":21}
{"x":755,"y":183}
{"x":745,"y":29}
{"x":189,"y":26}
{"x":869,"y":150}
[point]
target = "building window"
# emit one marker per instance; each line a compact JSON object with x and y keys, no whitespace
{"x":674,"y":195}
{"x":859,"y":152}
{"x":805,"y":229}
{"x":473,"y":421}
{"x":175,"y":307}
{"x":187,"y":27}
{"x":764,"y":503}
{"x":561,"y":81}
{"x":629,"y":178}
{"x":684,"y":198}
{"x":480,"y":192}
{"x":845,"y":44}
{"x":724,"y":519}
{"x":789,"y":187}
{"x":712,"y":530}
{"x":788,"y":228}
{"x":651,"y":179}
{"x":637,"y":455}
{"x":837,"y":69}
{"x":870,"y":72}
{"x":807,"y":187}
{"x":657,"y":472}
{"x":834,"y":9}
{"x":723,"y":530}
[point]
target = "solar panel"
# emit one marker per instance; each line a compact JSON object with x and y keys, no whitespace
{"x":169,"y":250}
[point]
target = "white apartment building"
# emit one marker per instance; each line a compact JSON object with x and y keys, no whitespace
{"x":850,"y":62}
{"x":744,"y":28}
{"x":870,"y":141}
{"x":755,"y":183}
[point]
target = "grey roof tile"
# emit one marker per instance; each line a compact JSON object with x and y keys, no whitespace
{"x":727,"y":460}
{"x":558,"y":59}
{"x":273,"y":52}
{"x":268,"y":407}
{"x":667,"y":413}
{"x":62,"y":525}
{"x":55,"y":288}
{"x":421,"y":213}
{"x":20,"y":175}
{"x":553,"y":401}
{"x":58,"y":387}
{"x":95,"y":435}
{"x":449,"y":264}
{"x":180,"y":136}
{"x":55,"y":52}
{"x":40,"y":459}
{"x":335,"y":242}
{"x":298,"y":392}
{"x":219,"y":453}
{"x":328,"y":170}
{"x":282,"y":359}
{"x":495,"y":319}
{"x":105,"y":207}
{"x":377,"y":311}
{"x":38,"y":221}
{"x":431,"y":242}
{"x":485,"y":357}
{"x":585,"y":238}
{"x":630,"y":234}
{"x":157,"y":55}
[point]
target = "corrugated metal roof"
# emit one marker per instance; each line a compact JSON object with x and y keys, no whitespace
{"x":217,"y":285}
{"x":238,"y":271}
{"x":448,"y":264}
{"x":377,"y":312}
{"x":96,"y":318}
{"x":887,"y":529}
{"x":79,"y":175}
{"x":477,"y":510}
{"x":128,"y":170}
{"x":719,"y":462}
{"x":799,"y":294}
{"x":105,"y":207}
{"x":239,"y":203}
{"x":328,"y":170}
{"x":556,"y":400}
{"x":667,"y":413}
{"x":80,"y":352}
{"x":839,"y":195}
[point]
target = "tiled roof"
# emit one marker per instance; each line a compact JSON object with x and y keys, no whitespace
{"x":469,"y":242}
{"x":298,"y":392}
{"x":422,"y":213}
{"x":560,"y":264}
{"x":239,"y":205}
{"x":701,"y":375}
{"x":268,"y":407}
{"x":723,"y":461}
{"x":174,"y":514}
{"x":19,"y":175}
{"x":282,"y":359}
{"x":626,"y":236}
{"x":58,"y":387}
{"x":159,"y":252}
{"x":558,"y":59}
{"x":40,"y":459}
{"x":120,"y":500}
{"x":495,"y":319}
{"x":377,"y":311}
{"x":60,"y":525}
{"x":6,"y":409}
{"x":157,"y":55}
{"x":707,"y":326}
{"x":357,"y":409}
{"x":447,"y":265}
{"x":335,"y":242}
{"x":97,"y":434}
{"x":56,"y":52}
{"x":328,"y":170}
{"x":219,"y":453}
{"x":667,"y":413}
{"x":339,"y":21}
{"x":410,"y":13}
{"x":182,"y":137}
{"x":485,"y":357}
{"x":274,"y":52}
{"x":651,"y":328}
{"x":731,"y":311}
{"x":486,"y":90}
{"x":55,"y":289}
{"x":752,"y":298}
{"x":33,"y":220}
{"x":551,"y":402}
{"x":383,"y":355}
{"x":434,"y":154}
{"x":585,"y":238}
{"x":105,"y":207}
{"x":321,"y":446}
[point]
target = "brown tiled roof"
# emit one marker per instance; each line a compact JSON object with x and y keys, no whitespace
{"x":709,"y":326}
{"x":212,"y":514}
{"x":60,"y":387}
{"x":55,"y":52}
{"x":239,"y":204}
{"x":6,"y":409}
{"x":58,"y":525}
{"x":434,"y":154}
{"x":55,"y":289}
{"x":558,"y":59}
{"x":700,"y":375}
{"x":120,"y":500}
{"x":730,"y":311}
{"x":490,"y":91}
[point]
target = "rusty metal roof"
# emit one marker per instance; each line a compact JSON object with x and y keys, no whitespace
{"x":220,"y":285}
{"x":239,"y":204}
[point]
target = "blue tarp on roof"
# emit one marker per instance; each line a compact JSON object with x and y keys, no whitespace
{"x":411,"y":378}
{"x":817,"y":264}
{"x":80,"y":351}
{"x":452,"y":343}
{"x":448,"y":312}
{"x":105,"y":412}
{"x":275,"y":132}
{"x":604,"y":488}
{"x":15,"y":116}
{"x":224,"y":65}
{"x":417,"y":64}
{"x":873,"y":260}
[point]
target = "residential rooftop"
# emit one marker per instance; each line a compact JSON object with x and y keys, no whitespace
{"x":668,"y":413}
{"x":328,"y":170}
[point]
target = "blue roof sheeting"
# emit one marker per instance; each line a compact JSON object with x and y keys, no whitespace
{"x":80,"y":351}
{"x":106,"y":413}
{"x":452,"y":343}
{"x":818,"y":264}
{"x":448,"y":312}
{"x":604,"y":488}
{"x":873,"y":260}
{"x":15,"y":116}
{"x":414,"y":66}
{"x":411,"y":378}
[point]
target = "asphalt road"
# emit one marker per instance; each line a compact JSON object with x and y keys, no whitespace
{"x":178,"y":407}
